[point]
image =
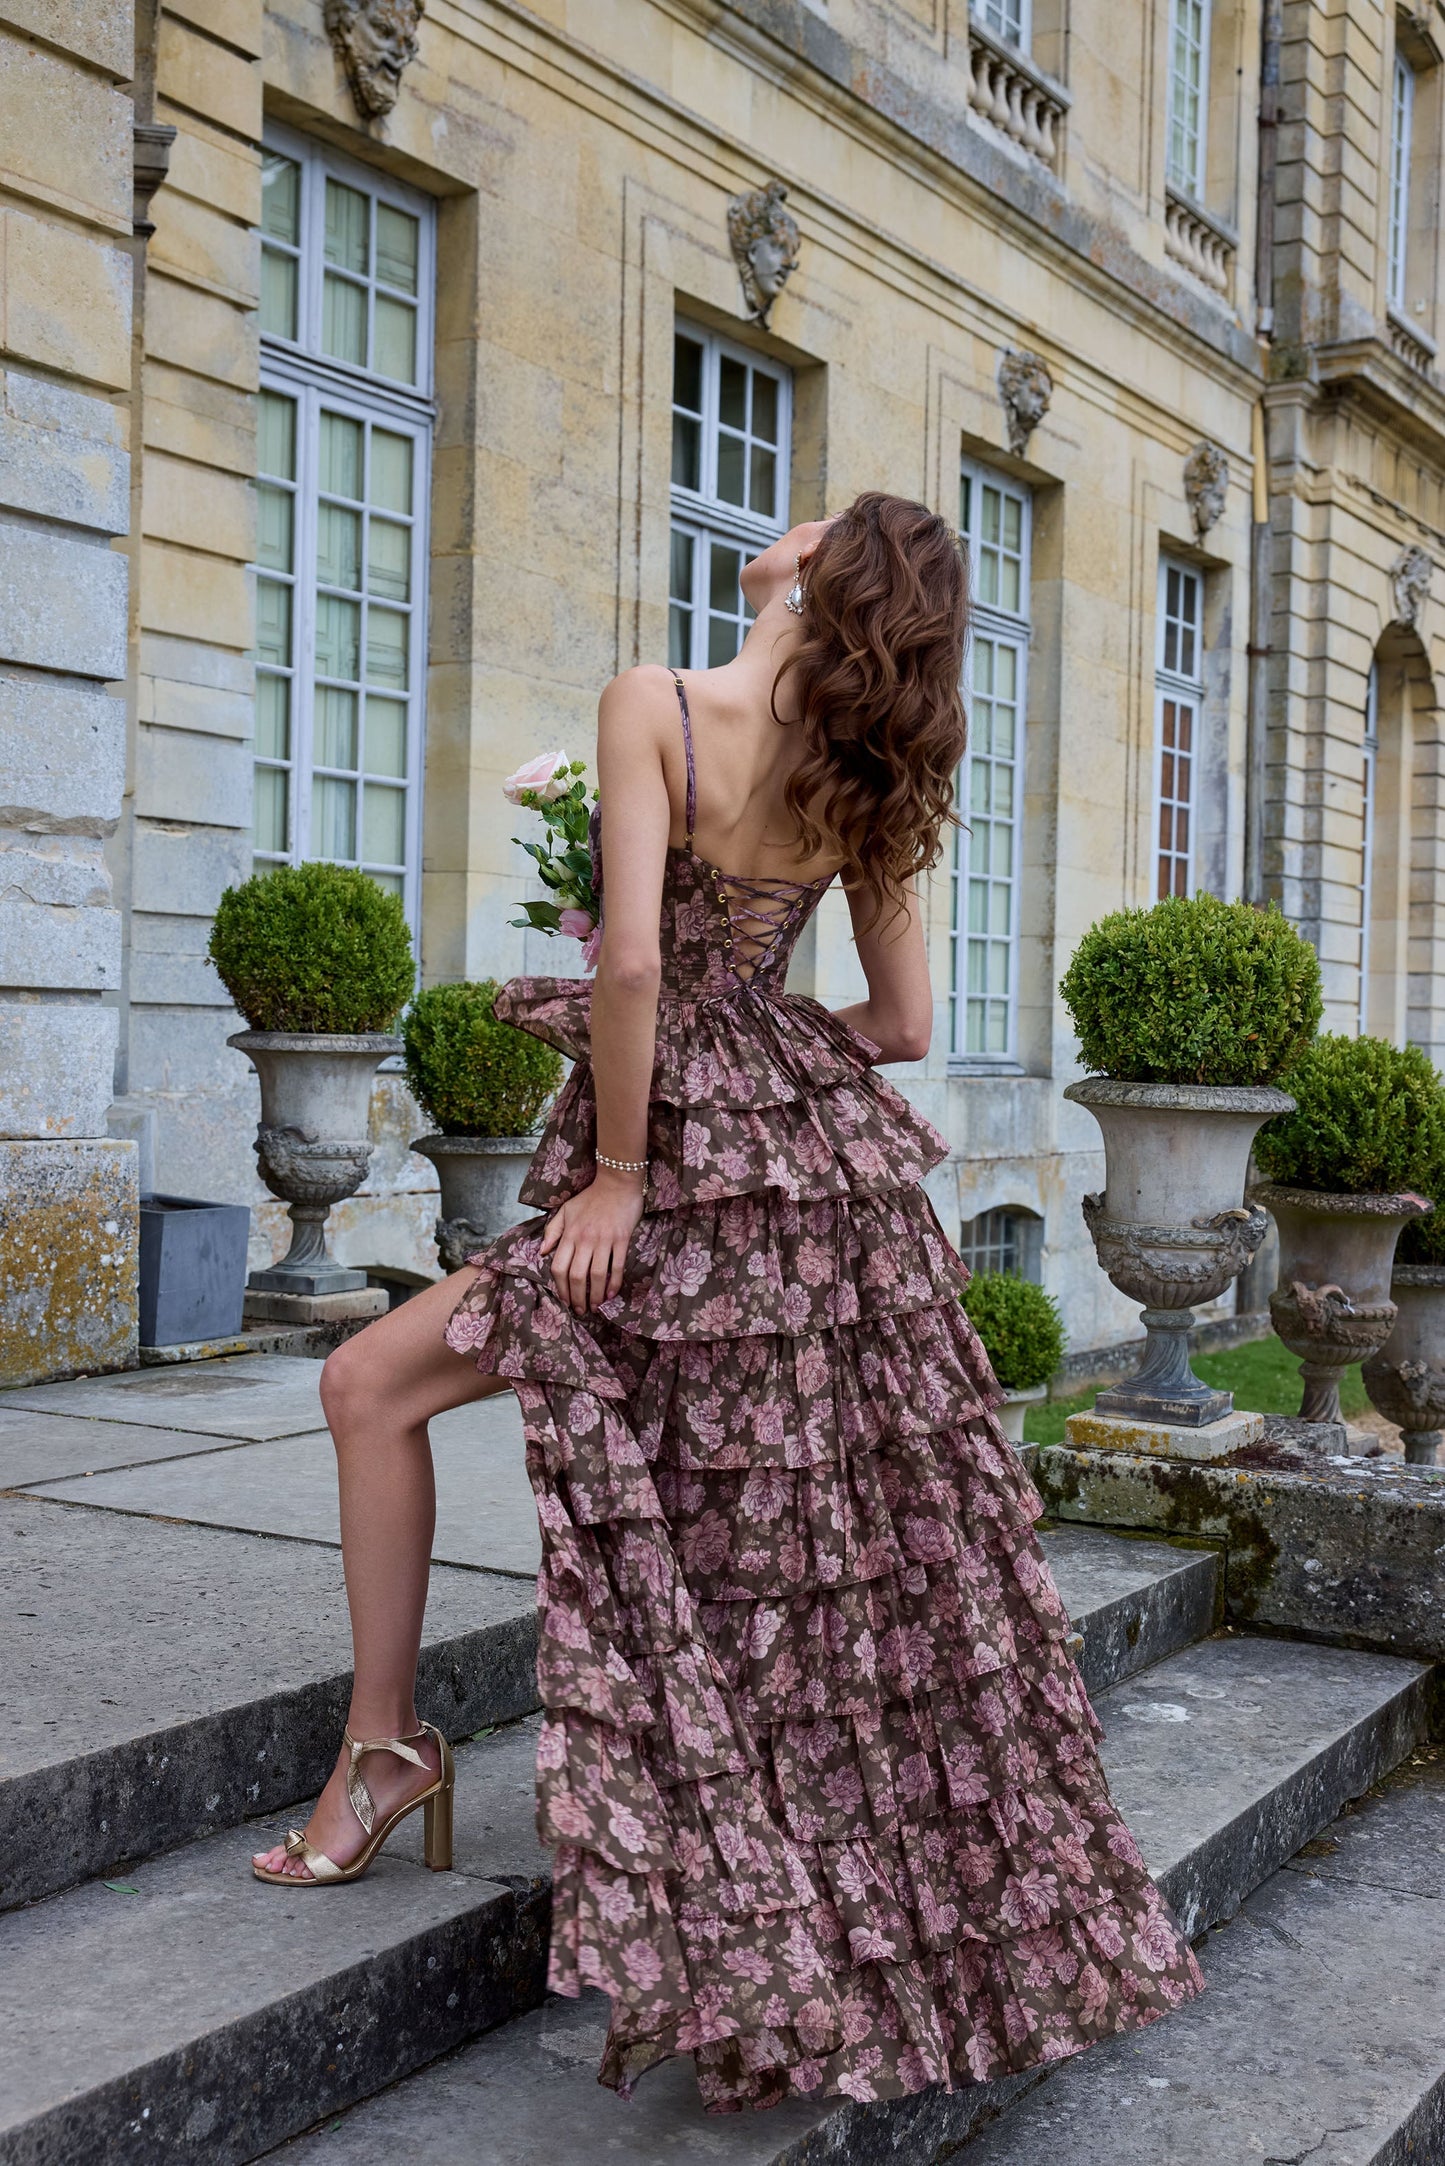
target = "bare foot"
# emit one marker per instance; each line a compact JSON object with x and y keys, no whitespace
{"x":334,"y":1829}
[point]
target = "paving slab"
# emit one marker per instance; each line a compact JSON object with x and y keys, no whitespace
{"x":165,"y":1680}
{"x":192,"y":2013}
{"x":486,"y":1515}
{"x":528,"y":2092}
{"x":50,"y":1447}
{"x":250,"y":1395}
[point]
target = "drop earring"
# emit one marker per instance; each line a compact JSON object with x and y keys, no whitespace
{"x":794,"y":598}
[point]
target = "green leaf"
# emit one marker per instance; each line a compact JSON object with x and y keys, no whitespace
{"x":121,"y":1887}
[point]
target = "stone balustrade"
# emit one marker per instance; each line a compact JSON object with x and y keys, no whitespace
{"x":1410,"y":344}
{"x":1200,"y":244}
{"x":1013,"y":96}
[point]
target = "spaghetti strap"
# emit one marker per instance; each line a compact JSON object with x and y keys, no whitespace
{"x":691,"y":814}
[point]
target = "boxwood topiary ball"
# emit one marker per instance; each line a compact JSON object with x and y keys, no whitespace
{"x":1193,"y":991}
{"x":1369,"y":1119}
{"x":314,"y":948}
{"x":474,"y":1075}
{"x":1020,"y":1326}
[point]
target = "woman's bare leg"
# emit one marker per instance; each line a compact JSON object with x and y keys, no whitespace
{"x":379,"y":1391}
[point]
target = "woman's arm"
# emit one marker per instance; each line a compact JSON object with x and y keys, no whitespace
{"x":587,"y":1238}
{"x":898,"y":1013}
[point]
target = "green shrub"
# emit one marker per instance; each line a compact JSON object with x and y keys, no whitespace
{"x":313,"y":948}
{"x":1369,"y":1118}
{"x":1193,"y":991}
{"x":474,"y":1075}
{"x":1423,"y":1240}
{"x":1020,"y":1326}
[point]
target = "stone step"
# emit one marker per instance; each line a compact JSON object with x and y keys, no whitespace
{"x":187,"y":2011}
{"x":1224,"y":1759}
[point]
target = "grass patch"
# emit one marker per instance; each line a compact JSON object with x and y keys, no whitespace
{"x":1264,"y":1377}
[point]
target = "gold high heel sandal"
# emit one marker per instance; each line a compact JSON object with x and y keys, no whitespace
{"x":437,"y":1830}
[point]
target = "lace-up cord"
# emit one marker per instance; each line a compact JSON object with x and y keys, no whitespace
{"x":759,"y":913}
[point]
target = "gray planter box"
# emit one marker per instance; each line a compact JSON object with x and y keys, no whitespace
{"x":192,"y":1269}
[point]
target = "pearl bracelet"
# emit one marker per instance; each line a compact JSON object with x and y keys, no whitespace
{"x":622,"y":1165}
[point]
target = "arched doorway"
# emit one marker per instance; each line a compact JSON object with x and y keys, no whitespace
{"x":1398,"y":788}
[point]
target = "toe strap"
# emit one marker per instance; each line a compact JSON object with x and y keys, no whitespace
{"x":316,"y":1861}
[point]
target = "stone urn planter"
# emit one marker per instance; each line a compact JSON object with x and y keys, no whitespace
{"x":1014,"y":1409}
{"x":1171,"y":1229}
{"x":1406,"y":1378}
{"x":312,"y":1144}
{"x":1333,"y":1304}
{"x":479,"y":1177}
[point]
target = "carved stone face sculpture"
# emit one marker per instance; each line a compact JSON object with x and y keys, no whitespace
{"x":1410,"y":576}
{"x":1206,"y":484}
{"x":376,"y":41}
{"x":765,"y":244}
{"x":1025,"y":387}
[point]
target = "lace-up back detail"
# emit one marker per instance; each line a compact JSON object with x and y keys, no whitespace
{"x":747,"y":926}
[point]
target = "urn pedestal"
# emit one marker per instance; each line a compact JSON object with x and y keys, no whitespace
{"x":1406,"y":1378}
{"x":312,"y":1150}
{"x":479,"y":1177}
{"x":1171,"y":1228}
{"x":1333,"y":1303}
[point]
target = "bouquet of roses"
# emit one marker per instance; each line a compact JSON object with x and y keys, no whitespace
{"x":556,"y":787}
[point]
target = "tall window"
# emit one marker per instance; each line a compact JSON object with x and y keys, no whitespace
{"x":994,"y":520}
{"x":1369,"y":794}
{"x":731,"y":413}
{"x":343,"y":462}
{"x":1402,"y":119}
{"x":1003,"y":1240}
{"x":1187,"y":92}
{"x":1008,"y":19}
{"x":1178,"y":699}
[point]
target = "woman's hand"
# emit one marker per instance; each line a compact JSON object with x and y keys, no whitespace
{"x":587,"y":1239}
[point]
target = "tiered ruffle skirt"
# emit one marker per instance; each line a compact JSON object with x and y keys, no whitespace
{"x":818,"y":1769}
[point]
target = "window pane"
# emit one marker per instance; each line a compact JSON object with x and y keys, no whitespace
{"x":343,"y":320}
{"x":730,"y":469}
{"x":333,"y":818}
{"x":388,"y":882}
{"x":394,"y":352}
{"x":732,"y":393}
{"x":273,"y":621}
{"x":276,"y":436}
{"x":338,"y":636}
{"x":278,"y":293}
{"x":273,"y":528}
{"x":348,"y":223}
{"x":338,"y":546}
{"x":340,"y":465}
{"x":723,"y":591}
{"x":335,"y":727}
{"x":765,"y":407}
{"x":398,"y":247}
{"x":273,"y":717}
{"x":388,"y":561}
{"x":686,"y":451}
{"x":383,"y":825}
{"x":269,"y":816}
{"x":280,"y":197}
{"x":390,"y":471}
{"x":762,"y":488}
{"x":386,"y":647}
{"x":687,"y":374}
{"x":1010,"y":594}
{"x":680,"y":568}
{"x":385,"y":736}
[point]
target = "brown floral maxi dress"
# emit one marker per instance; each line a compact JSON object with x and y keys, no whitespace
{"x":818,"y":1768}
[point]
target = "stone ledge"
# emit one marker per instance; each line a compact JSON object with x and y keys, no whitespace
{"x":1352,"y":1552}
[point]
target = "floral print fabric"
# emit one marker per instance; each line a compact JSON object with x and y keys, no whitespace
{"x":819,"y":1771}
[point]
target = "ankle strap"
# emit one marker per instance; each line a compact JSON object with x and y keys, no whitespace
{"x":363,"y":1804}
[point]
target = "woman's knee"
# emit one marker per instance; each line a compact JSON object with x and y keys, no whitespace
{"x":348,"y":1381}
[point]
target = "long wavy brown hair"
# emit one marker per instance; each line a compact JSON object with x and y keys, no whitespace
{"x":875,"y":681}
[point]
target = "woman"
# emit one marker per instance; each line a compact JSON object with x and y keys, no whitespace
{"x":819,"y":1769}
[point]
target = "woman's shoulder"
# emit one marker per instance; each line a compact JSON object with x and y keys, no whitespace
{"x":647,"y":685}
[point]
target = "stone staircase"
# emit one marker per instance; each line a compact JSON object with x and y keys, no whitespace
{"x":157,"y":2004}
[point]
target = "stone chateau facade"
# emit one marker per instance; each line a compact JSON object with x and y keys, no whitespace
{"x":379,"y":379}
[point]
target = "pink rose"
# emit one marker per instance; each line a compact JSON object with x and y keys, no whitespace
{"x":576,"y":924}
{"x":548,"y":774}
{"x":592,"y":948}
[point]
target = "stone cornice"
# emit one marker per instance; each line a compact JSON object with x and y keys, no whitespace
{"x":1366,"y":369}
